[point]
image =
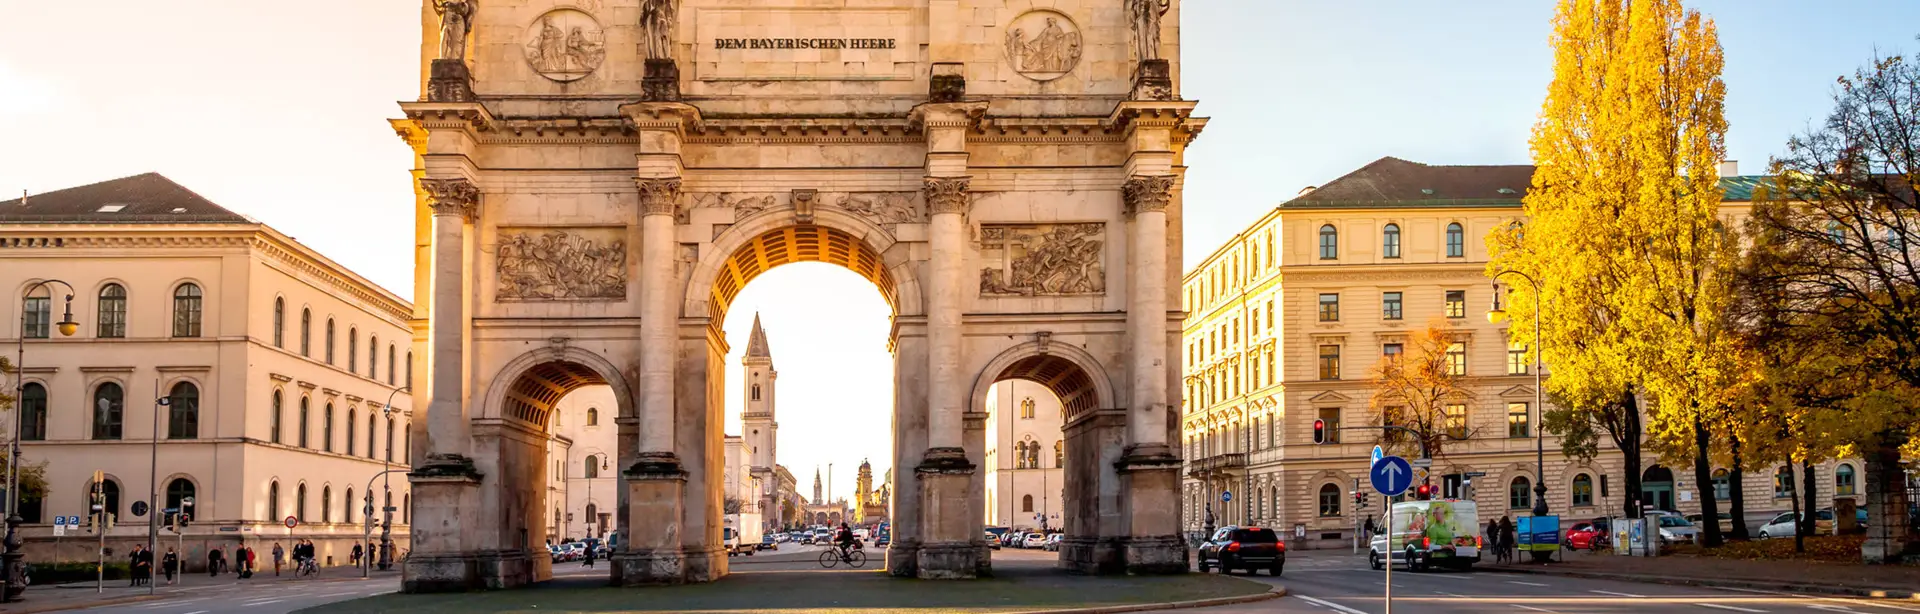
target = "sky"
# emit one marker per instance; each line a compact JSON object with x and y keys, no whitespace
{"x":278,"y":110}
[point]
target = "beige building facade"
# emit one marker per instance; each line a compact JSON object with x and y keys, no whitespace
{"x":597,"y":181}
{"x":590,"y":482}
{"x":283,"y":373}
{"x":1025,"y":457}
{"x":1286,"y":322}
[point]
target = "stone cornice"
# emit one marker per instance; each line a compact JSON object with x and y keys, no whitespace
{"x":377,"y":300}
{"x":471,"y":117}
{"x":1150,"y":114}
{"x":412,"y":132}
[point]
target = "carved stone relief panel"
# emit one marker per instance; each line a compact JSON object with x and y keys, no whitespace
{"x":540,"y":264}
{"x":1043,"y":44}
{"x":1043,"y":259}
{"x":882,"y":208}
{"x":742,"y":205}
{"x":565,"y":45}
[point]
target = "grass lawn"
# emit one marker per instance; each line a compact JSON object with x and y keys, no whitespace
{"x":824,"y":592}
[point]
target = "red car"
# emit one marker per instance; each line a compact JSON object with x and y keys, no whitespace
{"x":1588,"y":536}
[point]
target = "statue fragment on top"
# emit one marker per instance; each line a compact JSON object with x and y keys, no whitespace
{"x":661,"y":80}
{"x":456,"y":21}
{"x":1152,"y":78}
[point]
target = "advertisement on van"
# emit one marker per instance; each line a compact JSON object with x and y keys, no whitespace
{"x":1435,"y":526}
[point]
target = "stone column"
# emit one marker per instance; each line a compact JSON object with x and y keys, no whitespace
{"x":1149,"y":469}
{"x":658,"y":318}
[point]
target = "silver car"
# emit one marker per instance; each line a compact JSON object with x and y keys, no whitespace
{"x":1779,"y":526}
{"x":1674,"y":528}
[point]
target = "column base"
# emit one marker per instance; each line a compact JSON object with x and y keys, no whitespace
{"x":467,"y":571}
{"x":651,"y":552}
{"x":1157,"y":555}
{"x":903,"y":559}
{"x":1150,"y":479}
{"x":1093,"y":555}
{"x":949,"y":561}
{"x":949,"y":549}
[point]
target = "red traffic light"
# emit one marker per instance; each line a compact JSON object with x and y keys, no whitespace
{"x":1319,"y":431}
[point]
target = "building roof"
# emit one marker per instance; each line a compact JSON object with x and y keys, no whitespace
{"x":757,"y":342}
{"x":143,"y":198}
{"x":1395,"y":183}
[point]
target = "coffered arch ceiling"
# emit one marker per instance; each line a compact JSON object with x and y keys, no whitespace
{"x":800,"y":243}
{"x":1062,"y":376}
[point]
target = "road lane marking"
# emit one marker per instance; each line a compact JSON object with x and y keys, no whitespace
{"x":1830,"y":607}
{"x":1525,"y":583}
{"x":198,"y":612}
{"x":1620,"y":594}
{"x":253,"y":603}
{"x":1329,"y":604}
{"x":1727,"y":607}
{"x":1527,"y":607}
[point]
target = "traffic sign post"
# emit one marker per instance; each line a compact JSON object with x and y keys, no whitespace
{"x":1377,"y":455}
{"x":1226,"y":496}
{"x":1390,"y":476}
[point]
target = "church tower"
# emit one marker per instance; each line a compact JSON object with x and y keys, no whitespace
{"x":757,"y":415}
{"x":817,"y":500}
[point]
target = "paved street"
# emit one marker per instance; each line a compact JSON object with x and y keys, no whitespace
{"x":227,"y":596}
{"x":1335,"y":581}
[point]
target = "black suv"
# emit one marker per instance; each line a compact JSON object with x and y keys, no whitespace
{"x":1249,"y":548}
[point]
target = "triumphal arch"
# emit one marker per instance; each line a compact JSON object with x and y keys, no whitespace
{"x":598,"y":179}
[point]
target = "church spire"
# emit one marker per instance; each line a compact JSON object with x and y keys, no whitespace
{"x":757,"y":343}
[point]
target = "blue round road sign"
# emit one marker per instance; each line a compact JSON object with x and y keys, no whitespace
{"x":1226,"y":496}
{"x":1391,"y":475}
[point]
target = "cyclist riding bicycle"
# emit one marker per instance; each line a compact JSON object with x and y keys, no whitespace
{"x":843,"y":539}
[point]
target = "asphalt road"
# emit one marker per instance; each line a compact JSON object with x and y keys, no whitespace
{"x":261,"y":598}
{"x":1320,"y":583}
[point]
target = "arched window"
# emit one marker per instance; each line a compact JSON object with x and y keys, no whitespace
{"x":389,"y":364}
{"x":1520,"y":493}
{"x":389,"y":440}
{"x":38,"y":314}
{"x":409,"y":383}
{"x":353,"y":349}
{"x":353,"y":419}
{"x":277,"y":417}
{"x":408,"y":439}
{"x":1329,"y":500}
{"x":306,"y":332}
{"x":33,"y":412}
{"x":1456,"y":241}
{"x":756,"y":392}
{"x":406,"y":508}
{"x":1843,"y":482}
{"x":1059,"y":454}
{"x":592,"y":467}
{"x":186,"y":311}
{"x":108,"y":407}
{"x":178,"y":491}
{"x":1783,"y":482}
{"x":373,"y":357}
{"x":183,"y":411}
{"x":329,"y":341}
{"x":593,"y":416}
{"x":1026,"y":503}
{"x":1026,"y":408}
{"x":303,"y":422}
{"x":113,"y":312}
{"x":1390,"y":241}
{"x":1329,"y":242}
{"x":372,"y":421}
{"x":279,"y":322}
{"x":1582,"y":490}
{"x":326,"y":504}
{"x":346,"y":505}
{"x":111,"y":489}
{"x":1722,"y":490}
{"x":273,"y":500}
{"x":326,"y":428}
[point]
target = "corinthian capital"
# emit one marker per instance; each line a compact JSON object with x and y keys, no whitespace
{"x":1147,"y":193}
{"x":452,"y":196}
{"x":658,"y":196}
{"x":946,"y":194}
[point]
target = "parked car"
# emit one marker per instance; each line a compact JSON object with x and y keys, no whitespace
{"x":1674,"y":528}
{"x":1052,"y":544}
{"x":554,"y":553}
{"x":767,"y":543}
{"x":1034,"y":540}
{"x":781,"y":538}
{"x":1596,"y":535}
{"x":993,"y":541}
{"x":1823,"y":521}
{"x":1013,"y":538}
{"x":822,"y":538}
{"x":1779,"y":526}
{"x":1726,"y":522}
{"x":1249,"y":548}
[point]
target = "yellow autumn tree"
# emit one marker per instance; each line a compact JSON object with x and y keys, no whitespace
{"x":1622,"y":231}
{"x":1423,"y":388}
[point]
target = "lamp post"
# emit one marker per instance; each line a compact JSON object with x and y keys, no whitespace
{"x":1539,"y":408}
{"x":13,"y":557}
{"x":386,"y":486}
{"x":153,"y":475}
{"x":593,"y":519}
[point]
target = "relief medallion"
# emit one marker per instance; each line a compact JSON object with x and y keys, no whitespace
{"x":1043,"y":44}
{"x":565,"y":45}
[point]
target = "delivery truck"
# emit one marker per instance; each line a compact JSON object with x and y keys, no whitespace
{"x":742,"y":533}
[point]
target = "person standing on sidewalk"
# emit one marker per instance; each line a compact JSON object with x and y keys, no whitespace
{"x":243,"y":561}
{"x":133,"y":567}
{"x":170,"y":564}
{"x":279,"y":554}
{"x":1506,"y":539}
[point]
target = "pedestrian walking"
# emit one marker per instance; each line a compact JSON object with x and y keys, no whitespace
{"x":279,"y":554}
{"x":170,"y":564}
{"x":1492,"y":538}
{"x":133,"y":567}
{"x":214,"y":558}
{"x":1368,"y":534}
{"x":243,"y":559}
{"x":355,"y":555}
{"x":1506,"y":538}
{"x":589,"y":550}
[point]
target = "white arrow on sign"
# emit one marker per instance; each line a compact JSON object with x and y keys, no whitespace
{"x":1392,"y":471}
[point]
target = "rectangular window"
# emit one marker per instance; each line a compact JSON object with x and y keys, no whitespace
{"x":1329,"y":308}
{"x":1456,"y":303}
{"x":1390,"y":306}
{"x":1329,"y":362}
{"x":1269,"y":313}
{"x":1516,"y":359}
{"x":1457,"y":420}
{"x":1390,"y":351}
{"x":1457,"y":358}
{"x":1331,"y":416}
{"x":113,"y":313}
{"x":39,"y":315}
{"x":1517,"y":421}
{"x":1270,"y":363}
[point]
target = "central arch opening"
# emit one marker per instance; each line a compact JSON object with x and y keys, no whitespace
{"x":558,"y":444}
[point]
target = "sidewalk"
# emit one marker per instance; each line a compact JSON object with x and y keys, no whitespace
{"x":55,"y":597}
{"x":1852,"y":579}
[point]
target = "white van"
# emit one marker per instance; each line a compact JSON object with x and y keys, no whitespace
{"x":1428,"y":533}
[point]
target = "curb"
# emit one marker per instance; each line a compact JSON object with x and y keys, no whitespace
{"x":1822,"y":589}
{"x":1276,"y":592}
{"x":56,"y":607}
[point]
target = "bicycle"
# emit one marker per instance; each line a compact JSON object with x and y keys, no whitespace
{"x":307,"y":567}
{"x":852,"y":557}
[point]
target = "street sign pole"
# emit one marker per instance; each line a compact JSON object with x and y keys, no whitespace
{"x":1390,"y":475}
{"x":1389,"y":557}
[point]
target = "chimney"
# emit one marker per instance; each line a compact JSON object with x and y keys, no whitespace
{"x":1730,"y":168}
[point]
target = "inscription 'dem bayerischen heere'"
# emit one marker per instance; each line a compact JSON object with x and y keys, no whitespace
{"x":803,"y":43}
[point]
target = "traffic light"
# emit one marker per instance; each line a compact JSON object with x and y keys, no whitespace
{"x":1423,"y":493}
{"x":1319,"y":431}
{"x":1360,"y":499}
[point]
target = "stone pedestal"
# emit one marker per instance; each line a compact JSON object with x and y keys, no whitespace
{"x":947,"y":83}
{"x":661,"y":82}
{"x":1150,"y":476}
{"x":650,"y":550}
{"x":442,"y":561}
{"x":1152,"y":80}
{"x":946,"y":550}
{"x":449,"y":81}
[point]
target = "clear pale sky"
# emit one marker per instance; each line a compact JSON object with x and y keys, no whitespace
{"x":277,"y":110}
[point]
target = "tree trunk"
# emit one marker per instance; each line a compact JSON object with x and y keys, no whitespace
{"x":1803,"y":523}
{"x":1703,"y":476}
{"x":1628,"y":440}
{"x":1889,"y":532}
{"x":1737,"y":492}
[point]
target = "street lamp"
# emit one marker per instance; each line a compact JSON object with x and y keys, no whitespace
{"x":593,"y":519}
{"x":386,"y":486}
{"x":1539,"y":408}
{"x":13,"y":558}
